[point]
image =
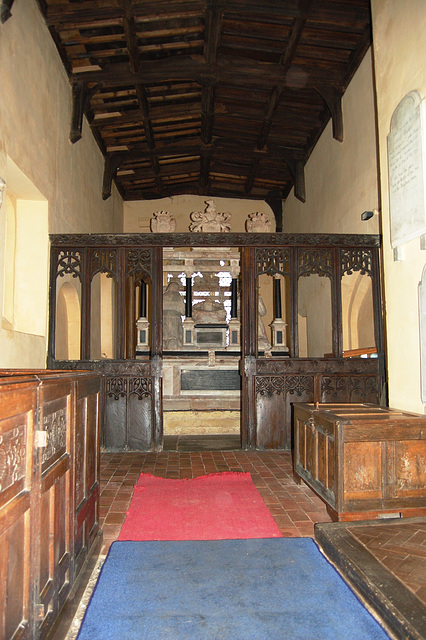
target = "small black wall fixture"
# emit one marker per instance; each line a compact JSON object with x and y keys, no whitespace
{"x":5,"y":10}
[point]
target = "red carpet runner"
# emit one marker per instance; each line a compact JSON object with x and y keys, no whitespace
{"x":219,"y":506}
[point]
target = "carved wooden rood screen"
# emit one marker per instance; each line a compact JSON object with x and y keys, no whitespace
{"x":331,"y":327}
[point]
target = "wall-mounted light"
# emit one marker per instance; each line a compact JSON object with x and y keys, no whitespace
{"x":367,"y":215}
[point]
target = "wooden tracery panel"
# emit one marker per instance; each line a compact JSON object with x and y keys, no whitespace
{"x":133,"y":418}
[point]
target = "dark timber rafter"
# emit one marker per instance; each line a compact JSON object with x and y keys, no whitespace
{"x":284,"y":65}
{"x":212,"y":97}
{"x":275,"y":201}
{"x":81,"y":93}
{"x":112,"y":163}
{"x":187,"y":68}
{"x":204,"y":171}
{"x":135,"y":68}
{"x":213,"y":28}
{"x":332,"y":96}
{"x":297,"y":171}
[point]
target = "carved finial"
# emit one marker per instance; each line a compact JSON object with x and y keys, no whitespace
{"x":163,"y":222}
{"x":210,"y":220}
{"x":258,"y":223}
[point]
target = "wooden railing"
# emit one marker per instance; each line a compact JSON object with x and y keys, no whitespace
{"x":49,"y":493}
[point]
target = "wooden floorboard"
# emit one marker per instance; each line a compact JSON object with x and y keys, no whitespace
{"x":384,"y":562}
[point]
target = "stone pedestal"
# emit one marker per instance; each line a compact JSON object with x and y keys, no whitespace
{"x":279,"y":342}
{"x":188,"y":333}
{"x":142,"y":325}
{"x":234,"y":335}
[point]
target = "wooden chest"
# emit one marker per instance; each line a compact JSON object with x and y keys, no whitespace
{"x":364,"y":461}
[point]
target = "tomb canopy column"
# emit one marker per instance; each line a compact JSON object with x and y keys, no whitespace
{"x":142,"y":323}
{"x":234,"y":322}
{"x":188,"y":323}
{"x":278,"y":325}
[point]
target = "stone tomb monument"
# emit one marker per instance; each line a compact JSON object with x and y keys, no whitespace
{"x":201,"y":378}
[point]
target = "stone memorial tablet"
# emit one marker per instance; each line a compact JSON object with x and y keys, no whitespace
{"x":210,"y":380}
{"x":407,"y":170}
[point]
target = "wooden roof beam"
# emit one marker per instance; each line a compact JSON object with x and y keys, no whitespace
{"x":131,"y":37}
{"x":135,"y":66}
{"x":296,"y":32}
{"x":297,"y":170}
{"x":112,"y":163}
{"x":332,"y":96}
{"x":213,"y":28}
{"x":248,"y":186}
{"x":207,"y":113}
{"x":144,"y":109}
{"x":81,"y":94}
{"x":234,"y":150}
{"x":275,"y":200}
{"x":186,"y":68}
{"x":267,"y":121}
{"x":204,"y":170}
{"x":284,"y":65}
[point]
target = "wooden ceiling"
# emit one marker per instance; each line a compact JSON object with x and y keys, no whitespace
{"x":211,"y":97}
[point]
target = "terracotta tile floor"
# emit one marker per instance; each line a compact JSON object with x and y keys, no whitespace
{"x":295,"y":507}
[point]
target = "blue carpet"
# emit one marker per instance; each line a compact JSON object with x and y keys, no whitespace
{"x":266,"y":589}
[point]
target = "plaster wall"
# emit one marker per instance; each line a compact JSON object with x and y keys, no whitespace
{"x":399,"y":52}
{"x":341,"y":178}
{"x":137,"y":215}
{"x":35,"y":116}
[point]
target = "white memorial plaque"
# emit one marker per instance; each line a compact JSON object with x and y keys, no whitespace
{"x":407,"y":169}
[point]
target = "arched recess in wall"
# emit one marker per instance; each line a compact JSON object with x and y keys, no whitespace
{"x":67,"y":323}
{"x":26,"y":271}
{"x":358,"y":312}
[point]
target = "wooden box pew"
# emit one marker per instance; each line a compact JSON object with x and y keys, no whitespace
{"x":49,"y":493}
